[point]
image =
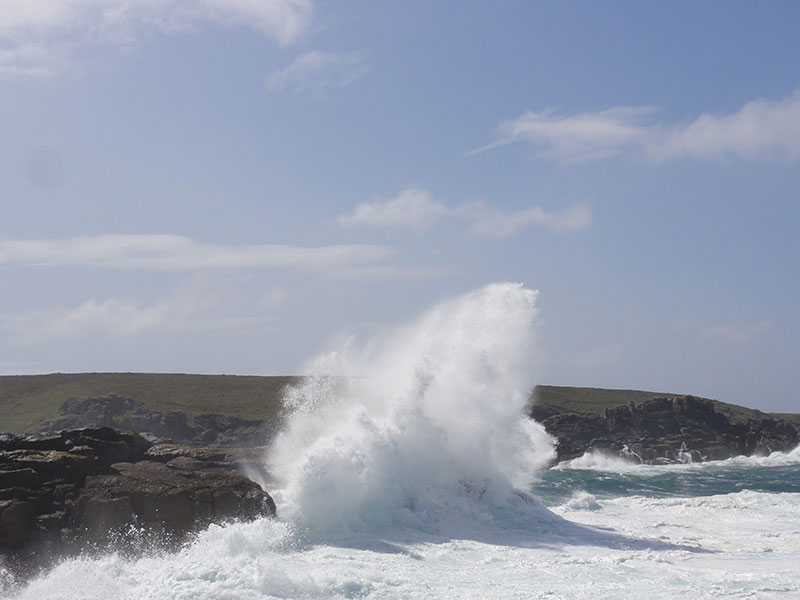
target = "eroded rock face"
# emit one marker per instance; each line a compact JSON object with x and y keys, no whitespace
{"x":664,"y":430}
{"x":121,"y":413}
{"x":67,"y":492}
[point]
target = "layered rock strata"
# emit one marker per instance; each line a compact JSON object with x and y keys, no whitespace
{"x":118,"y":412}
{"x":86,"y":489}
{"x":665,"y":430}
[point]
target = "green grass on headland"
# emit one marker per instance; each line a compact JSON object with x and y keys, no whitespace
{"x":594,"y":400}
{"x":27,"y":400}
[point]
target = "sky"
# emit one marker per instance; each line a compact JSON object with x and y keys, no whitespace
{"x":229,"y":186}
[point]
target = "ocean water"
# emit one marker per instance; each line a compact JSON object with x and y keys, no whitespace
{"x":418,"y":476}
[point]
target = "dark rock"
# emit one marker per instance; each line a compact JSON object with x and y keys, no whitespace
{"x":114,"y":411}
{"x":228,"y":430}
{"x":97,"y":487}
{"x":165,"y":498}
{"x":51,"y":465}
{"x":16,"y":521}
{"x":666,"y":430}
{"x":25,"y":477}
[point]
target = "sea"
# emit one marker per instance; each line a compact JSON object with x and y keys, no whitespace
{"x":406,"y":468}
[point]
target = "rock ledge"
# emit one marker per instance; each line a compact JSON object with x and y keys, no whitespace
{"x":87,"y":489}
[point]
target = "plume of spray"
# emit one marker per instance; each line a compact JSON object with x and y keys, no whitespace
{"x":418,"y":421}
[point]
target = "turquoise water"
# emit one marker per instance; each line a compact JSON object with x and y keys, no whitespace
{"x":616,"y":479}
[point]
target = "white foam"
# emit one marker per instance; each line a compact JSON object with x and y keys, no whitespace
{"x":734,"y":545}
{"x":774,"y":459}
{"x":582,"y":501}
{"x":598,"y":460}
{"x":430,"y":417}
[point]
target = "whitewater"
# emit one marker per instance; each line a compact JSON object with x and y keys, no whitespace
{"x":407,"y":468}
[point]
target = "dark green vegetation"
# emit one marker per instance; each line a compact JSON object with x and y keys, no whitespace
{"x":27,"y":400}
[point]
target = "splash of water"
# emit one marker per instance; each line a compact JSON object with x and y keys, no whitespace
{"x":597,"y":460}
{"x":426,"y":419}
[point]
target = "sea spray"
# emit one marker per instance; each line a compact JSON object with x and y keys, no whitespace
{"x":433,"y":428}
{"x":417,"y":422}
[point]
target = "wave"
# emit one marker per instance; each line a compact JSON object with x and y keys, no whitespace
{"x":603,"y":461}
{"x":428,"y":419}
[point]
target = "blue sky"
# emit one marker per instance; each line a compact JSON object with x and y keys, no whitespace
{"x":224,"y":186}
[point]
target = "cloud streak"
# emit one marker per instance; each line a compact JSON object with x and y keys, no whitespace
{"x":122,"y":318}
{"x":760,"y":130}
{"x":490,"y":221}
{"x":318,"y":72}
{"x":416,"y":209}
{"x":178,"y":253}
{"x":33,"y":34}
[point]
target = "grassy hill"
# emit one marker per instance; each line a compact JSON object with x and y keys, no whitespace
{"x":26,"y":400}
{"x":594,"y":400}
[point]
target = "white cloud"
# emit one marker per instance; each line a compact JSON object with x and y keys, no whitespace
{"x":113,"y":316}
{"x":759,"y":130}
{"x":175,"y":253}
{"x":123,"y":318}
{"x":584,"y":136}
{"x":33,"y":32}
{"x":29,"y":60}
{"x":210,"y":301}
{"x":415,"y":208}
{"x":318,"y":71}
{"x":490,"y":221}
{"x":727,"y":334}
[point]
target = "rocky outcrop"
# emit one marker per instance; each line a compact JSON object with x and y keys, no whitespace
{"x":664,"y":430}
{"x":129,"y":414}
{"x":92,"y":488}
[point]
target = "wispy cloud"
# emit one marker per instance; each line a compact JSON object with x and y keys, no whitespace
{"x":490,"y":221}
{"x":34,"y":32}
{"x":761,"y":129}
{"x":123,"y":318}
{"x":416,"y":209}
{"x":30,"y":60}
{"x":210,"y":301}
{"x":112,"y":316}
{"x":413,"y":208}
{"x":318,"y":72}
{"x":727,"y":334}
{"x":175,"y":253}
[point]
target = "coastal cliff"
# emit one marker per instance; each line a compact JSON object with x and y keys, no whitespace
{"x":88,"y":489}
{"x":657,"y":429}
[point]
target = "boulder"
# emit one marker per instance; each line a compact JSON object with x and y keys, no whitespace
{"x":92,"y":488}
{"x":174,"y":498}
